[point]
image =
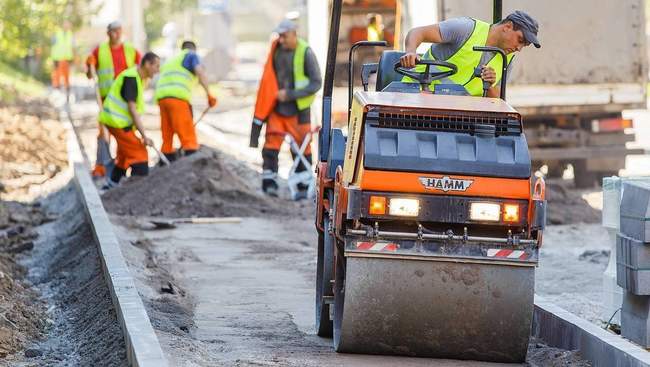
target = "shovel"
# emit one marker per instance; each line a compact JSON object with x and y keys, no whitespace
{"x":202,"y":115}
{"x":161,"y":156}
{"x":171,"y":223}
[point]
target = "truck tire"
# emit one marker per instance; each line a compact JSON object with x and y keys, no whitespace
{"x":583,"y":178}
{"x":555,"y":169}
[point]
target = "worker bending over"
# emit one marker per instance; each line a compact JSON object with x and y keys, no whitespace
{"x":453,"y":40}
{"x":121,"y":114}
{"x":289,"y":83}
{"x":62,"y":56}
{"x":107,"y":61}
{"x":174,"y":94}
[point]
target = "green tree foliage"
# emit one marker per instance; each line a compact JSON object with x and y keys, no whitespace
{"x":158,"y":12}
{"x":26,"y":25}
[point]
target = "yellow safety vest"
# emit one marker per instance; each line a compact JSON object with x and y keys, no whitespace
{"x":467,"y":60}
{"x":374,"y":34}
{"x":301,"y":80}
{"x":115,"y":112}
{"x":175,"y":80}
{"x":62,"y":48}
{"x":105,"y":70}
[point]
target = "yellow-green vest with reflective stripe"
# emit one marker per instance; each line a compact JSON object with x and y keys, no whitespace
{"x":62,"y":48}
{"x":301,"y":80}
{"x":467,"y":60}
{"x":374,"y":34}
{"x":175,"y":80}
{"x":115,"y":112}
{"x":105,"y":70}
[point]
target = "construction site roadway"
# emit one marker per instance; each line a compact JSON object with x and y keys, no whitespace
{"x":232,"y":294}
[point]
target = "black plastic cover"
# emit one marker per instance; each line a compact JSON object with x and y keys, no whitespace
{"x":386,"y":71}
{"x":446,"y":152}
{"x":336,"y":152}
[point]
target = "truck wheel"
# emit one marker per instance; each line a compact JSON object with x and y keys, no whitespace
{"x":555,"y":169}
{"x":582,"y":178}
{"x":324,"y":277}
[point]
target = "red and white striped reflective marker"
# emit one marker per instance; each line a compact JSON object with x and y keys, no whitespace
{"x":508,"y":254}
{"x":377,"y":246}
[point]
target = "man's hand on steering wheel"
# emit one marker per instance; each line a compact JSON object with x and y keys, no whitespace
{"x":409,"y":60}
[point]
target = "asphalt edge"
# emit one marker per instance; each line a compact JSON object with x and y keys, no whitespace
{"x":142,"y":345}
{"x":562,"y":329}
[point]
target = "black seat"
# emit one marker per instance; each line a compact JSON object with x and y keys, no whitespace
{"x":386,"y":71}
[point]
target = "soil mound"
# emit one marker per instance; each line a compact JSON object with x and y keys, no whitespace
{"x":566,"y":205}
{"x":22,"y":313}
{"x":32,"y":148}
{"x":206,"y":184}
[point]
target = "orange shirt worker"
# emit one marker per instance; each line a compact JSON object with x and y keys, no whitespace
{"x":108,"y":60}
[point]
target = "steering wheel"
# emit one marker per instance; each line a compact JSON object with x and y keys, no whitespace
{"x":427,"y":76}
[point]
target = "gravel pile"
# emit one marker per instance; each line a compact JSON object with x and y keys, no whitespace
{"x":206,"y":184}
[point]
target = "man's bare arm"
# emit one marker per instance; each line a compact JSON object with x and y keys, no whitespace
{"x":199,"y":71}
{"x":415,"y":37}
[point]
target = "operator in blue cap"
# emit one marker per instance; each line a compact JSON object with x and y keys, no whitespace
{"x":453,"y":39}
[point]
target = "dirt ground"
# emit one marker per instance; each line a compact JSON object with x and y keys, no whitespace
{"x":32,"y":151}
{"x":64,"y":268}
{"x":22,"y":313}
{"x":55,"y":309}
{"x":32,"y":148}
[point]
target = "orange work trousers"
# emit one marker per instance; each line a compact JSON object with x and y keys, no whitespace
{"x":61,"y":71}
{"x":176,"y":119}
{"x":277,"y":126}
{"x":130,"y":149}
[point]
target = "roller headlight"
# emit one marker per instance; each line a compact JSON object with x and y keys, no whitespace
{"x":485,"y":212}
{"x":404,"y":207}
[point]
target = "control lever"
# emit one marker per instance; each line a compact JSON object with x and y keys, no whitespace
{"x":486,"y":84}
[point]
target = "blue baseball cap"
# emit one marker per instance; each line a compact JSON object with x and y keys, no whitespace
{"x":527,"y":24}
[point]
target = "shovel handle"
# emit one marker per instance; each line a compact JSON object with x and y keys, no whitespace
{"x":161,"y":156}
{"x":202,"y":115}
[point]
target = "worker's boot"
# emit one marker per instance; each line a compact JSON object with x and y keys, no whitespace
{"x":270,"y":183}
{"x":110,"y":184}
{"x":303,"y":188}
{"x":270,"y":172}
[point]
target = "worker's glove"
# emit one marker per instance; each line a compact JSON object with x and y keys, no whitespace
{"x":256,"y":128}
{"x":212,"y":100}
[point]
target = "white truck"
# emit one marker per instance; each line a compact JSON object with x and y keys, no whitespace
{"x":571,"y":92}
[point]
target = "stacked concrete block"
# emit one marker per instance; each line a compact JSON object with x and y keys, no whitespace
{"x":633,"y":261}
{"x":633,"y":265}
{"x":612,"y":293}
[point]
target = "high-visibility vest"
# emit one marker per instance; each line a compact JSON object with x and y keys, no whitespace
{"x":374,"y":34}
{"x":467,"y":60}
{"x":175,"y":80}
{"x":62,"y":48}
{"x":115,"y":111}
{"x":300,"y":80}
{"x":105,"y":70}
